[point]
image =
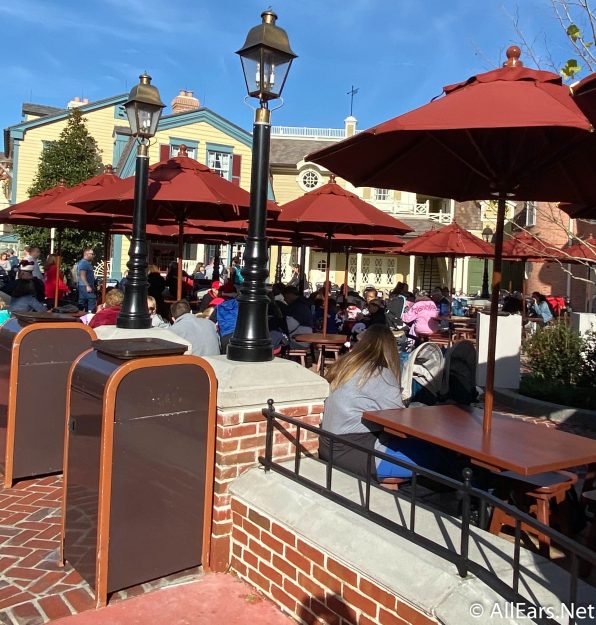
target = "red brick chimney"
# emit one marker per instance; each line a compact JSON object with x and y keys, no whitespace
{"x":184,"y":102}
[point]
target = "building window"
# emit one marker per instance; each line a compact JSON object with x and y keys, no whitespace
{"x":378,"y":270}
{"x":530,"y":214}
{"x":309,"y":179}
{"x":365,"y":269}
{"x":191,"y":151}
{"x":322,"y":265}
{"x":390,"y":270}
{"x":220,"y":163}
{"x":380,"y":195}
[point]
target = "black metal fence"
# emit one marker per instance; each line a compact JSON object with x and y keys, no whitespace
{"x":509,"y":591}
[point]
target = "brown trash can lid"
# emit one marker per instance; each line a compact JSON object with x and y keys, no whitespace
{"x":44,"y":317}
{"x":127,"y":349}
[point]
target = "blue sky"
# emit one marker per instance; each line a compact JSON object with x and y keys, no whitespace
{"x":399,"y":53}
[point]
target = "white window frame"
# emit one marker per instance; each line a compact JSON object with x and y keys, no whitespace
{"x":531,"y":210}
{"x":381,"y":195}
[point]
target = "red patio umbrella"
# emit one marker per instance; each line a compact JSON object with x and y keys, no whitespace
{"x":584,"y":250}
{"x":530,"y":248}
{"x":509,"y":133}
{"x":51,"y":210}
{"x":180,"y":189}
{"x":452,"y":242}
{"x":331,"y":210}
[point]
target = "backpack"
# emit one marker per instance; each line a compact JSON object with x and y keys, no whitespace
{"x":227,"y":313}
{"x":74,"y":274}
{"x":394,"y":311}
{"x":238,"y":277}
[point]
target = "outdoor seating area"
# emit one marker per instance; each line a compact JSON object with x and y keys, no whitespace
{"x":291,"y":374}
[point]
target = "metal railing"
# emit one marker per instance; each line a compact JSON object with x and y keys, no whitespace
{"x":464,"y":488}
{"x":308,"y":133}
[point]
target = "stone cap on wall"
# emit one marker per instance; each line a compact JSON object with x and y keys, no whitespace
{"x":419,"y":577}
{"x":251,"y":384}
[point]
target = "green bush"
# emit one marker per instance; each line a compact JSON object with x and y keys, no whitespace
{"x":573,"y":396}
{"x":555,"y":354}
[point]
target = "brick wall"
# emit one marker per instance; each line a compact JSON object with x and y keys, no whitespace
{"x":306,"y":582}
{"x":240,"y":441}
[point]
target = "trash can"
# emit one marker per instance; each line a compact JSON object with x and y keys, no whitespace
{"x":36,"y":353}
{"x":138,"y":476}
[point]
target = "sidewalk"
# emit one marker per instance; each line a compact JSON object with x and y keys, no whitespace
{"x":216,"y":599}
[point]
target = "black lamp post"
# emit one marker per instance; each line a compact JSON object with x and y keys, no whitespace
{"x":143,"y":109}
{"x":487,"y":235}
{"x":266,"y":58}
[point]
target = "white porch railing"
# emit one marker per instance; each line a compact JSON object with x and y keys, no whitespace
{"x":308,"y":133}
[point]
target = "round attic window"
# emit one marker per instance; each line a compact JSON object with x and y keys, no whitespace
{"x":309,"y":179}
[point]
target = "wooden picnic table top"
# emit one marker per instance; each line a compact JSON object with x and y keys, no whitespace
{"x":512,"y":444}
{"x":329,"y":339}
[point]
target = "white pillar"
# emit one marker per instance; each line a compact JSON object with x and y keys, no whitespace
{"x":358,"y":283}
{"x":411,"y":272}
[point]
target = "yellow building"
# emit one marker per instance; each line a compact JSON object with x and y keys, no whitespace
{"x":209,"y":138}
{"x":292,"y":176}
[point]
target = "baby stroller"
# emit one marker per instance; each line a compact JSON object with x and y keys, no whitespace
{"x":459,"y":374}
{"x":422,"y":375}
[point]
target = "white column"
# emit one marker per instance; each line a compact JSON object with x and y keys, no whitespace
{"x":358,"y":285}
{"x":307,"y":265}
{"x":411,"y":271}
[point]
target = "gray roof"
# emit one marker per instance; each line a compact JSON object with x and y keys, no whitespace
{"x":122,"y":130}
{"x":292,"y":151}
{"x":39,"y":109}
{"x":419,"y":226}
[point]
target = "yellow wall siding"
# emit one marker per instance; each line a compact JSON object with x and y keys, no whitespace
{"x":285,"y":187}
{"x":100,"y":124}
{"x":204,"y":134}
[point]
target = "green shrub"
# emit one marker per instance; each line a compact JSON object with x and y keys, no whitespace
{"x":587,"y":375}
{"x":555,"y":354}
{"x":573,"y":396}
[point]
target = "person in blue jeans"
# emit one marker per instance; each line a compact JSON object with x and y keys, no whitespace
{"x":368,"y":378}
{"x":86,"y":282}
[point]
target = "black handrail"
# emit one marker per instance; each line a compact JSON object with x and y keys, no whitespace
{"x":461,"y":560}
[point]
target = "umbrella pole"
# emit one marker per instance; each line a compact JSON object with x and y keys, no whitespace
{"x":180,"y":254}
{"x":278,"y":265}
{"x":302,"y":269}
{"x":451,"y":272}
{"x":326,"y":294}
{"x":58,"y":263}
{"x":347,"y":268}
{"x":494,"y":312}
{"x":423,"y":273}
{"x":107,"y":252}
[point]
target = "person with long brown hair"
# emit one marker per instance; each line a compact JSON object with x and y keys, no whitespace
{"x":368,"y":378}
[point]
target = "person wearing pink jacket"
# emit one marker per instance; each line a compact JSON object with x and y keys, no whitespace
{"x":422,"y":315}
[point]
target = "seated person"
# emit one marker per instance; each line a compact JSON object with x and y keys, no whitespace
{"x":376,"y":313}
{"x":211,"y":294}
{"x":540,"y":307}
{"x":298,"y":313}
{"x":422,"y":316}
{"x":24,"y":296}
{"x":319,"y":310}
{"x":157,"y":321}
{"x":107,"y":315}
{"x":368,"y":378}
{"x":201,"y":333}
{"x":225,"y":315}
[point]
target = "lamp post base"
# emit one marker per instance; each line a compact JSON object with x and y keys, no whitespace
{"x":250,"y":352}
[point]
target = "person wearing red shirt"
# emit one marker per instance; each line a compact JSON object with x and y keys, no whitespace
{"x":108,"y":315}
{"x":50,"y":271}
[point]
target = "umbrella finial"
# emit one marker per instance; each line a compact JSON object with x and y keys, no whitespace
{"x":182,"y":150}
{"x":108,"y":169}
{"x":332,"y":178}
{"x":513,"y":53}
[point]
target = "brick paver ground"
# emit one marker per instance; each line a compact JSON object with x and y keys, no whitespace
{"x":33,"y":587}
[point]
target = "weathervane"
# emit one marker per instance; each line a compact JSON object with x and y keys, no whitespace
{"x":353,"y":91}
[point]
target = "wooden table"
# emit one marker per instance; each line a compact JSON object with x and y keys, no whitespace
{"x":321,"y":341}
{"x":512,"y":444}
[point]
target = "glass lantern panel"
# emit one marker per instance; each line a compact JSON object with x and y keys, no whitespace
{"x":265,"y":72}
